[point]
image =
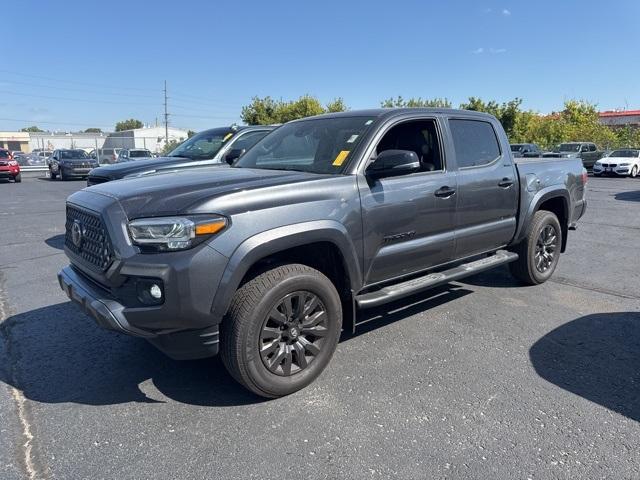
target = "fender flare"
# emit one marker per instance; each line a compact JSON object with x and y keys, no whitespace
{"x":538,"y":199}
{"x":276,"y":240}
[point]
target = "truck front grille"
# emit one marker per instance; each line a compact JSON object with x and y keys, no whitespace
{"x":87,"y":237}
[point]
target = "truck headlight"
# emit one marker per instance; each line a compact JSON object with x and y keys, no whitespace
{"x":164,"y":234}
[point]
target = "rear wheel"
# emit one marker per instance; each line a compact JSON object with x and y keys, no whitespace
{"x":539,"y":252}
{"x":281,"y":330}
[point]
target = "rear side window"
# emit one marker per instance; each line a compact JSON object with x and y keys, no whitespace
{"x":474,"y":141}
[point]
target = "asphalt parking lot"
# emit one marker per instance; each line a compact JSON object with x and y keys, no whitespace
{"x":482,"y":379}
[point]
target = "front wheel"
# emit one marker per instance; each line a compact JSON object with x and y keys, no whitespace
{"x":539,"y":251}
{"x":281,"y":330}
{"x":17,"y":178}
{"x":52,"y":174}
{"x":634,"y":171}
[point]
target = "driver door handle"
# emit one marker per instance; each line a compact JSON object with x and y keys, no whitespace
{"x":505,"y":183}
{"x":444,"y":192}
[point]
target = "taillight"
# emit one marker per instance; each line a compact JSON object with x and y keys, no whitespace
{"x":585,"y":176}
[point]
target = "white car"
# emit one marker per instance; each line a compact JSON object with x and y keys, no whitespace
{"x":624,"y":162}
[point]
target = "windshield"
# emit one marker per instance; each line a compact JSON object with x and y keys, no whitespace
{"x":139,"y":153}
{"x":319,"y":145}
{"x":516,"y":148}
{"x":73,"y":154}
{"x":568,"y":147}
{"x":204,"y":145}
{"x":624,"y":153}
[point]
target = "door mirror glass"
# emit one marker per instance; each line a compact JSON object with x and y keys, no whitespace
{"x":391,"y":163}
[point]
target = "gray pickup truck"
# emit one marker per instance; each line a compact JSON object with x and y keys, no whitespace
{"x":267,"y":261}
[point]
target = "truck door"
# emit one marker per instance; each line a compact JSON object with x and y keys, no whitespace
{"x":408,"y":220}
{"x":487,"y":188}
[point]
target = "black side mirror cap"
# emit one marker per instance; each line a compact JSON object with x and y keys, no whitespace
{"x":391,"y":163}
{"x":233,"y":155}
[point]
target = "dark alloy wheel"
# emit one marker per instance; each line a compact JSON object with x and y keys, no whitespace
{"x":546,"y":247}
{"x":293,"y":333}
{"x":539,"y":252}
{"x":281,"y":329}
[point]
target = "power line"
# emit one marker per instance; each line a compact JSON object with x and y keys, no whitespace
{"x":67,"y":99}
{"x":187,"y":98}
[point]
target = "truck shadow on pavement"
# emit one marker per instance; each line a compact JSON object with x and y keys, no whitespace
{"x":56,"y":354}
{"x":633,"y":196}
{"x":597,"y":357}
{"x":57,"y":241}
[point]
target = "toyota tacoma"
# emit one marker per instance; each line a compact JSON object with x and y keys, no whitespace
{"x":267,"y":261}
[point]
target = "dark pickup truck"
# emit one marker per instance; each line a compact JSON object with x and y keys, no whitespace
{"x":266,"y":262}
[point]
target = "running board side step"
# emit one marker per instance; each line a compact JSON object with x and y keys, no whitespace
{"x":416,"y":285}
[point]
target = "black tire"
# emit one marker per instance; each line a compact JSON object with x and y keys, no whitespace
{"x":533,"y":269}
{"x":18,"y":178}
{"x":634,"y":171}
{"x":63,"y":177}
{"x":52,"y":174}
{"x":244,"y":342}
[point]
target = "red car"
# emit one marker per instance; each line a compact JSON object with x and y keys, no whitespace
{"x":9,"y":167}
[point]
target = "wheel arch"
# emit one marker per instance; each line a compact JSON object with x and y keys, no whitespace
{"x":551,"y":199}
{"x":311,"y":243}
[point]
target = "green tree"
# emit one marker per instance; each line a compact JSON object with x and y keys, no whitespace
{"x":507,"y":112}
{"x":33,"y":128}
{"x":190,"y":133}
{"x":415,"y":102}
{"x":264,"y":111}
{"x":170,"y":146}
{"x":93,"y":130}
{"x":130,"y":124}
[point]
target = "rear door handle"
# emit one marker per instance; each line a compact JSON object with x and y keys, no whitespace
{"x":444,"y":192}
{"x":505,"y":183}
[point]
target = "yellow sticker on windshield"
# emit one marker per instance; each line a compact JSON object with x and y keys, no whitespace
{"x":340,"y":158}
{"x":227,"y":137}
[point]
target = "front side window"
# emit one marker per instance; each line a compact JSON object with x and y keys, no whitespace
{"x":204,"y":145}
{"x":320,"y":145}
{"x":475,"y":142}
{"x":4,"y":154}
{"x":418,"y":136}
{"x":248,"y":140}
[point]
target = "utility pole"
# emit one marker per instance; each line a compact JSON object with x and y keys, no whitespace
{"x":166,"y":116}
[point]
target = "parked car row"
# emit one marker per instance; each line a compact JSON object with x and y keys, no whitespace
{"x":620,"y":162}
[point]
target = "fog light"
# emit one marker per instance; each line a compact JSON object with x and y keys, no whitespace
{"x":155,"y":291}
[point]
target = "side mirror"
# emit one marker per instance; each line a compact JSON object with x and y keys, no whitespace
{"x":391,"y":163}
{"x":233,"y":155}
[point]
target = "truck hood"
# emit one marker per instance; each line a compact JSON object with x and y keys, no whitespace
{"x":182,"y":192}
{"x":121,"y":170}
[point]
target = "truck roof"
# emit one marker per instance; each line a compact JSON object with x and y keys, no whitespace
{"x":391,"y":112}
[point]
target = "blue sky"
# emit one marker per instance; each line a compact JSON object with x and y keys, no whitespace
{"x":71,"y":65}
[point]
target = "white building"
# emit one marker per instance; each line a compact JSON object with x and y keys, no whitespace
{"x":151,"y":138}
{"x":54,"y":140}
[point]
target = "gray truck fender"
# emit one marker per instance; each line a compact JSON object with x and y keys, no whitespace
{"x":276,"y":240}
{"x":538,"y":199}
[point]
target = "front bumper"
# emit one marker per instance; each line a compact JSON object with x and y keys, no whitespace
{"x":112,"y":315}
{"x":620,"y":171}
{"x":9,"y":172}
{"x":72,"y":171}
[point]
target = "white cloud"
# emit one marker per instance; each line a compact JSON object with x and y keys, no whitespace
{"x":497,"y":50}
{"x":478,"y":51}
{"x":506,"y":13}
